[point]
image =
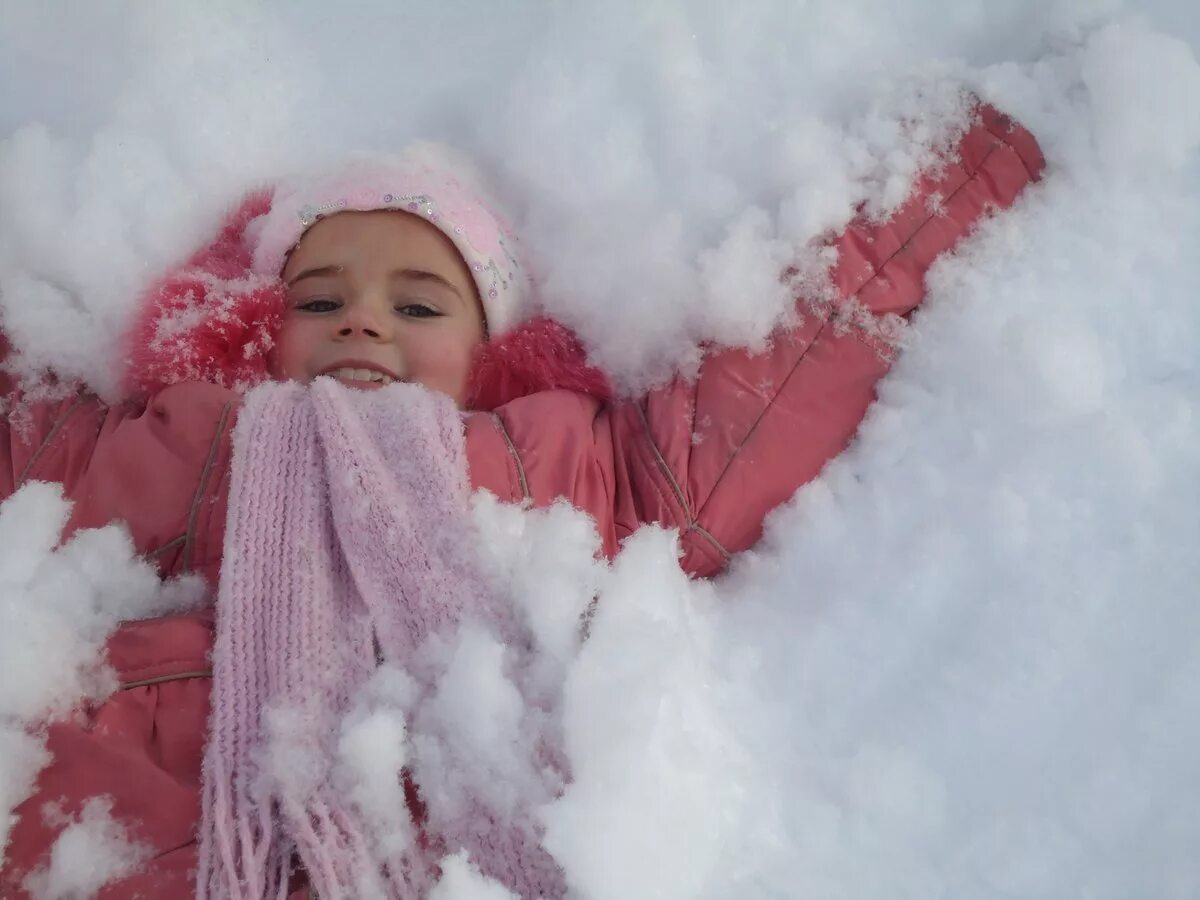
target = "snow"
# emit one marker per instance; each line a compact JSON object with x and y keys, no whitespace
{"x":474,"y":743}
{"x":57,"y":605}
{"x":660,"y":776}
{"x":91,"y":851}
{"x":372,"y":749}
{"x":462,"y":881}
{"x":962,"y":662}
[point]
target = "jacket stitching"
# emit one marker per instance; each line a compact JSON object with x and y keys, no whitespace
{"x":163,"y":679}
{"x":516,"y":457}
{"x":171,"y":850}
{"x":50,"y":436}
{"x":667,"y":499}
{"x":194,"y":513}
{"x":704,"y":532}
{"x":169,"y":545}
{"x":1033,"y":176}
{"x":769,"y":405}
{"x":858,"y":290}
{"x":156,"y":664}
{"x":691,"y":523}
{"x":662,"y":465}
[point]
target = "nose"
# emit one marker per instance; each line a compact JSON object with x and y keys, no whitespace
{"x":363,"y":318}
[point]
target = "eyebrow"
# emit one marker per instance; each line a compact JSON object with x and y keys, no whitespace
{"x":410,"y":274}
{"x":319,"y":272}
{"x":422,"y":275}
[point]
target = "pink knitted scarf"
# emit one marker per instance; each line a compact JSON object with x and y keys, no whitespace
{"x":347,"y":545}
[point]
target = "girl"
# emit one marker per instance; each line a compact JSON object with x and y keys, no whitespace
{"x":399,"y":273}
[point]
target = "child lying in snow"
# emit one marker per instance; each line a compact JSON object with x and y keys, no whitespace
{"x":398,"y":273}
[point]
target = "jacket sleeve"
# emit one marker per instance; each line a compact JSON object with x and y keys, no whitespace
{"x":159,"y":467}
{"x":32,"y":432}
{"x":553,"y":445}
{"x":713,"y":455}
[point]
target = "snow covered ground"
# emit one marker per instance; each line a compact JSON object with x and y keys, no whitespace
{"x":963,"y":662}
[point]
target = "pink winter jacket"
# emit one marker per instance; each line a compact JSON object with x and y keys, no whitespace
{"x":710,"y":457}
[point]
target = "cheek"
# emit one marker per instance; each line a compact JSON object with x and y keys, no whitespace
{"x":442,"y":362}
{"x":293,"y":351}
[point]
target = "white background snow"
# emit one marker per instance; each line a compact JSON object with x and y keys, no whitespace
{"x":963,"y":663}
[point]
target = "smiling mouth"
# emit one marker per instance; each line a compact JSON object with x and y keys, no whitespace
{"x":359,"y":376}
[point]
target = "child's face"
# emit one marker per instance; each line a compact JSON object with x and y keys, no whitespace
{"x":383,"y":292}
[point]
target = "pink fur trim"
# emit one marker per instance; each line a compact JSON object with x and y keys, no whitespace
{"x":210,"y":319}
{"x":540,"y":355}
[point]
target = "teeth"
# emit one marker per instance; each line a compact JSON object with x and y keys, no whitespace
{"x":348,"y":374}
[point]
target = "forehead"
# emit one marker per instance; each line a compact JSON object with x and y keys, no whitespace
{"x":385,"y":239}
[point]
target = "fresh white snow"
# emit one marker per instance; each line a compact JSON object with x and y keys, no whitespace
{"x":962,"y":663}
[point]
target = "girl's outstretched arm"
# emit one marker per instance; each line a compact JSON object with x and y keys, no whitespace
{"x":731,"y":445}
{"x":714,"y":454}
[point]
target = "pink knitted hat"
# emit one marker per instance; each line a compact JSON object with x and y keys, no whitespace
{"x":216,"y":317}
{"x":414,"y":185}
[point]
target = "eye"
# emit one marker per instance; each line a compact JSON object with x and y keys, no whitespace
{"x":417,"y":310}
{"x":319,"y":305}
